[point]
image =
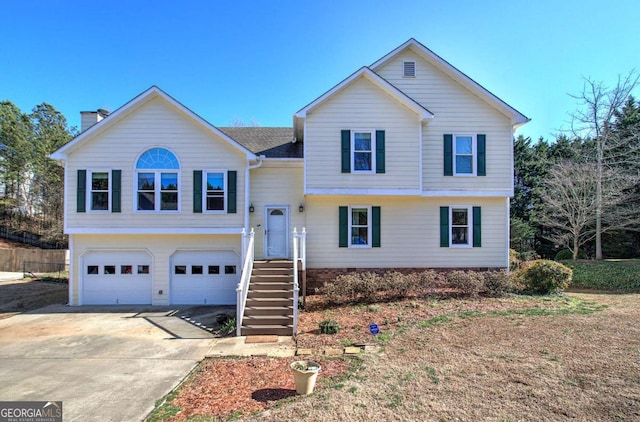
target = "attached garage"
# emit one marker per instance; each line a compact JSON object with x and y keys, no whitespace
{"x":204,"y":277}
{"x":116,"y":278}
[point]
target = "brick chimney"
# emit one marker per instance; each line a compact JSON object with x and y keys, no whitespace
{"x":90,"y":118}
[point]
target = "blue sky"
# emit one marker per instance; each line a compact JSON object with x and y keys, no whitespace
{"x":263,"y":60}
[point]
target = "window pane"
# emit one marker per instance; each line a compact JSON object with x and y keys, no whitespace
{"x":214,"y":269}
{"x":196,"y":269}
{"x":215,"y":181}
{"x":459,"y":236}
{"x":169,"y":201}
{"x":229,"y":269}
{"x":146,"y":201}
{"x":180,"y":269}
{"x":99,"y":201}
{"x":125,"y":269}
{"x":99,"y":181}
{"x":158,"y":158}
{"x":146,"y":181}
{"x":464,"y":145}
{"x":215,"y":201}
{"x":359,"y":236}
{"x":359,"y":216}
{"x":169,"y":181}
{"x":362,"y":161}
{"x":92,"y":269}
{"x":464,"y":164}
{"x":362,"y":141}
{"x":109,"y":269}
{"x":459,"y":217}
{"x":143,"y":269}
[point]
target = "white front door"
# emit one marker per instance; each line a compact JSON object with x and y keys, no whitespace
{"x":276,"y":232}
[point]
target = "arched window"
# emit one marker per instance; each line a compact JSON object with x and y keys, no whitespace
{"x":157,"y":185}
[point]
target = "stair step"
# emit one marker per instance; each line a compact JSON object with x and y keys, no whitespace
{"x":273,"y":271}
{"x":272,"y":277}
{"x":273,"y":264}
{"x":270,"y":302}
{"x":270,"y":293}
{"x":255,"y":320}
{"x":253,"y":330}
{"x":261,"y":285}
{"x":268,"y":310}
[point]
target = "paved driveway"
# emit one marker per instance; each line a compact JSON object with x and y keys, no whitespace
{"x":105,"y":364}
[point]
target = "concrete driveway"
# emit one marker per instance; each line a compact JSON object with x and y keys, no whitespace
{"x":104,"y":363}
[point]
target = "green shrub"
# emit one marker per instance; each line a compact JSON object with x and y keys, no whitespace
{"x":400,"y":285}
{"x":566,"y":254}
{"x":429,"y":278}
{"x":466,"y":282}
{"x":497,"y":283}
{"x":544,"y":276}
{"x":329,"y":326}
{"x":614,"y":275}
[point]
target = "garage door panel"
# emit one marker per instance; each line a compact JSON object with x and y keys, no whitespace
{"x":117,"y":278}
{"x":204,"y":277}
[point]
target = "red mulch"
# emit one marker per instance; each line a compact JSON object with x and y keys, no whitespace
{"x":224,"y":386}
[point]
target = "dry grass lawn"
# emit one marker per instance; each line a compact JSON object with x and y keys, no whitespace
{"x":513,"y":367}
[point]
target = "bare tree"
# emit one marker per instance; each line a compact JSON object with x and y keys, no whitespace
{"x":571,"y":208}
{"x":595,"y":119}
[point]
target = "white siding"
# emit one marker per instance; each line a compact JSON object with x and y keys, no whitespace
{"x":160,"y":247}
{"x":410,"y":234}
{"x":154,"y":124}
{"x":362,"y":105}
{"x":456,"y":110}
{"x":276,"y":183}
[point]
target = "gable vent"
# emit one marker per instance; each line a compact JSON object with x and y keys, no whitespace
{"x":409,"y":69}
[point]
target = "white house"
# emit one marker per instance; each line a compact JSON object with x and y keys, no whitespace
{"x":407,"y":163}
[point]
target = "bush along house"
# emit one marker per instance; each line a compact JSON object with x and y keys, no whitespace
{"x":406,"y":163}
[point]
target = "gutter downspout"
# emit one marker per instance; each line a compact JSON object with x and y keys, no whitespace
{"x":247,"y":184}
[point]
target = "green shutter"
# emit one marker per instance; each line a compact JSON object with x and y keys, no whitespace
{"x":232,"y":188}
{"x":482,"y":154}
{"x":116,"y":190}
{"x":81,"y":193}
{"x":375,"y":230}
{"x":477,"y":227}
{"x":346,"y":151}
{"x":444,"y":227}
{"x":197,"y":191}
{"x":343,"y":227}
{"x":380,"y":164}
{"x":448,"y":155}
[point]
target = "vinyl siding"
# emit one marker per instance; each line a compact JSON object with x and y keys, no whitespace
{"x":362,"y":105}
{"x":154,"y":124}
{"x":410,"y":232}
{"x":457,"y":111}
{"x":276,"y":184}
{"x":161,"y":247}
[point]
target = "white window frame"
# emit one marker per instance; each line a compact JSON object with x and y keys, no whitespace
{"x":204,"y":192}
{"x":157,"y":191}
{"x":369,"y":226}
{"x":469,"y":243}
{"x":89,"y":199}
{"x":404,"y":75}
{"x":474,"y":154}
{"x":372,"y":132}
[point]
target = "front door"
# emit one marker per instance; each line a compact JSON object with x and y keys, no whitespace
{"x":276,"y":232}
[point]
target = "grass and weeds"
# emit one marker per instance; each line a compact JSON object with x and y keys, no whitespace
{"x":610,"y":274}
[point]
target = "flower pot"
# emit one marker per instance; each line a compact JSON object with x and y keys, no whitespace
{"x":305,"y":373}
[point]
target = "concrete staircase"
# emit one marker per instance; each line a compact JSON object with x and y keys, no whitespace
{"x":269,"y":307}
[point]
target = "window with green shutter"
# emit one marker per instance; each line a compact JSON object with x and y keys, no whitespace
{"x":460,"y":226}
{"x":363,"y":151}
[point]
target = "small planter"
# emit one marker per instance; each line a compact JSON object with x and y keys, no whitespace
{"x":305,"y":373}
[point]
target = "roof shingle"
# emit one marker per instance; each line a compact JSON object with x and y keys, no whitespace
{"x":272,"y":142}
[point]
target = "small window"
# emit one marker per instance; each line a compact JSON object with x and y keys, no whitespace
{"x":362,"y":151}
{"x":196,"y":269}
{"x":360,"y":224}
{"x":214,"y":269}
{"x":463,"y":153}
{"x":126,"y":269}
{"x":460,"y":227}
{"x":215,"y":182}
{"x":180,"y":269}
{"x":109,"y":269}
{"x":229,"y":269}
{"x":92,"y":269}
{"x":143,"y":269}
{"x":99,"y":191}
{"x":409,"y":69}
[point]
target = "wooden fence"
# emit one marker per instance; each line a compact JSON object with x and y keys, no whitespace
{"x":14,"y":259}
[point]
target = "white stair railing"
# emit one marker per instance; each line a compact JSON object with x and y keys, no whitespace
{"x":243,"y":286}
{"x":299,"y":255}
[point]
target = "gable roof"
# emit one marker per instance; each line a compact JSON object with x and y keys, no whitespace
{"x":516,"y":117}
{"x":272,"y":142}
{"x":119,"y":114}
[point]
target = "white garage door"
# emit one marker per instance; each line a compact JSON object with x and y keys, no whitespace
{"x":204,"y":277}
{"x":116,"y":278}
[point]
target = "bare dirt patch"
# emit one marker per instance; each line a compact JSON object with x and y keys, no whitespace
{"x":486,"y":359}
{"x":25,"y":295}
